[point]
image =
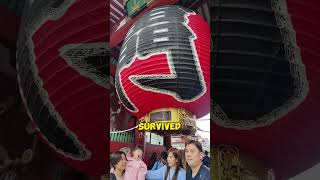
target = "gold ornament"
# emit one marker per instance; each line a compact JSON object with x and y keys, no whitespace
{"x":229,"y":165}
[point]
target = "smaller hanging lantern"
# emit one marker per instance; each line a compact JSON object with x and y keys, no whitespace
{"x":169,"y":120}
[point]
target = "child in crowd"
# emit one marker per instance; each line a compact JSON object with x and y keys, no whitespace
{"x":136,"y":168}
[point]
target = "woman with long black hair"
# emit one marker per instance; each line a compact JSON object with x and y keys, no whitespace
{"x":118,"y":162}
{"x":172,"y":171}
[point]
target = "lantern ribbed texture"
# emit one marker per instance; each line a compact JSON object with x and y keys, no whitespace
{"x":62,"y":70}
{"x":289,"y":146}
{"x":165,"y":62}
{"x":258,"y":74}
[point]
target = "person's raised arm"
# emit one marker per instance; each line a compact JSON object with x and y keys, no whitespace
{"x":155,"y":165}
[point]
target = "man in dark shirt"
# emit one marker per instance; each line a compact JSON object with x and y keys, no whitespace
{"x":194,"y":156}
{"x":206,"y":159}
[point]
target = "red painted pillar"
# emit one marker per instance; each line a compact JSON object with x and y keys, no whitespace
{"x":139,"y":136}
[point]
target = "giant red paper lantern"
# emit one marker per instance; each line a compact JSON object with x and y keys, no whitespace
{"x":266,"y":81}
{"x":62,"y":71}
{"x":165,"y":62}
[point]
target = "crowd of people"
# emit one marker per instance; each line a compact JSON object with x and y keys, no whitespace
{"x":190,"y":164}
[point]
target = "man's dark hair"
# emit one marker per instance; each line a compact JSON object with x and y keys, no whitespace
{"x":196,"y":143}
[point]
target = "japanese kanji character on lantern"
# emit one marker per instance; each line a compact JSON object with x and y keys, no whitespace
{"x":165,"y":63}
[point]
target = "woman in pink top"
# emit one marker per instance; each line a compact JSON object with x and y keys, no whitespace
{"x":136,"y":168}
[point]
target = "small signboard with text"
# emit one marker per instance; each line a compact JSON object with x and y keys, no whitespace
{"x":133,"y":7}
{"x":178,"y":141}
